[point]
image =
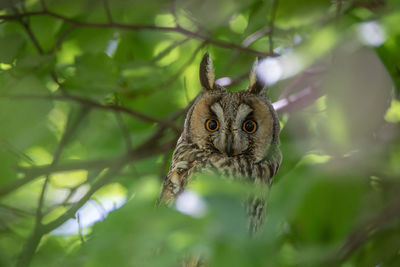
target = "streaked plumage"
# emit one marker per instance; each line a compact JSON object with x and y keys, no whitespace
{"x":233,"y":134}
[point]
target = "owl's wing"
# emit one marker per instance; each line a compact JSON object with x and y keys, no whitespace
{"x":174,"y":182}
{"x":255,"y":208}
{"x":273,"y":162}
{"x":184,"y":162}
{"x":257,"y":204}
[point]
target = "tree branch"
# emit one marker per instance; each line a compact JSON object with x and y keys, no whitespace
{"x":93,"y":104}
{"x":298,"y":100}
{"x":175,"y":76}
{"x":33,"y":241}
{"x":139,"y":27}
{"x":146,"y":150}
{"x":38,"y":231}
{"x":32,"y":37}
{"x":28,"y":30}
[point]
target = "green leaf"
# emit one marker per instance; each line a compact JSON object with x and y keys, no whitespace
{"x":90,"y":40}
{"x":23,"y":120}
{"x":45,"y":29}
{"x":10,"y":45}
{"x":95,"y":73}
{"x":40,"y":64}
{"x":8,"y":162}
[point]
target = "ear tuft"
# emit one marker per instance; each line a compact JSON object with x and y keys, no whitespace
{"x":256,"y":85}
{"x":207,"y":75}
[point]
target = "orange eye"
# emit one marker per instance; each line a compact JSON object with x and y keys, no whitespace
{"x":212,"y":125}
{"x":249,"y":126}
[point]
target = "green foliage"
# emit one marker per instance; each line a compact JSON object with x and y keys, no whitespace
{"x":92,"y":101}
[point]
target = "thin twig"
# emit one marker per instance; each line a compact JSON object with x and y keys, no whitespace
{"x":299,"y":79}
{"x":169,"y":49}
{"x":108,"y":11}
{"x":174,"y":77}
{"x":37,"y":45}
{"x":78,"y":220}
{"x":39,"y":215}
{"x":139,"y":27}
{"x":66,"y":202}
{"x":16,"y":152}
{"x":93,"y":104}
{"x":31,"y":35}
{"x":69,"y":130}
{"x":70,"y":213}
{"x":299,"y":100}
{"x":61,"y":39}
{"x":255,"y":36}
{"x":146,"y":150}
{"x":33,"y":241}
{"x":124,"y":130}
{"x":17,"y":210}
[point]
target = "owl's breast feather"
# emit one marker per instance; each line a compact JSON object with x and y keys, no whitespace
{"x":238,"y":167}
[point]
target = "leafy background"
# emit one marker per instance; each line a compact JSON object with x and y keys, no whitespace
{"x":92,"y":100}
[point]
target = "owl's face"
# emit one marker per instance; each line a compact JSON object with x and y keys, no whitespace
{"x":231,"y":123}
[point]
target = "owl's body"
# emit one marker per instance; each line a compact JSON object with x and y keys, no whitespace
{"x":232,"y":134}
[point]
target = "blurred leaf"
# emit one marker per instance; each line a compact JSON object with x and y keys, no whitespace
{"x":18,"y":115}
{"x":92,"y":41}
{"x":147,"y":10}
{"x":45,"y":37}
{"x":209,"y":13}
{"x":7,"y":163}
{"x":52,"y":251}
{"x":297,"y":13}
{"x":393,"y":113}
{"x":340,"y":152}
{"x":39,"y":64}
{"x":69,"y":179}
{"x":54,"y":214}
{"x":9,"y":47}
{"x":94,"y":73}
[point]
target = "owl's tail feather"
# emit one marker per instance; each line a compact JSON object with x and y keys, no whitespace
{"x":256,"y":208}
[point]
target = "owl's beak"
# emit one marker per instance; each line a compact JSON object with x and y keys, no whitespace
{"x":229,"y":146}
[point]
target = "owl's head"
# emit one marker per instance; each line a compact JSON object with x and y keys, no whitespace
{"x":231,"y":123}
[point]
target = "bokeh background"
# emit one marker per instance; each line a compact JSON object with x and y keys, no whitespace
{"x":93,"y":95}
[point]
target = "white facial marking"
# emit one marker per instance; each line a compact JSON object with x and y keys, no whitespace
{"x":243,"y":111}
{"x":216,"y":107}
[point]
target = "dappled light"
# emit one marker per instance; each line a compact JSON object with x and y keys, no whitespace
{"x":371,"y":33}
{"x":190,"y":203}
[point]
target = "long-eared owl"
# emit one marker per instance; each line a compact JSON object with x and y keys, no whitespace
{"x":234,"y":134}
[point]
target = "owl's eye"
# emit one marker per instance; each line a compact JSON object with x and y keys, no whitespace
{"x":212,"y":125}
{"x":249,"y":126}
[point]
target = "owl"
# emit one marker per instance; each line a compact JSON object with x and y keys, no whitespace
{"x":232,"y":134}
